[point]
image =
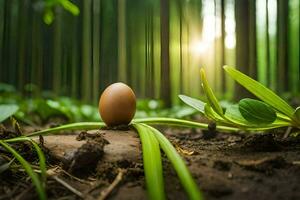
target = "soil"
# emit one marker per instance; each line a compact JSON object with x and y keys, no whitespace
{"x":226,"y":166}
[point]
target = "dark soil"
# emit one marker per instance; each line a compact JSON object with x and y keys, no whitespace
{"x":226,"y":166}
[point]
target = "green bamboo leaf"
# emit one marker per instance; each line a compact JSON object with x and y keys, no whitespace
{"x":34,"y":177}
{"x":212,"y":100}
{"x":182,"y":171}
{"x":194,"y":103}
{"x":257,"y":112}
{"x":152,"y":163}
{"x":262,"y":92}
{"x":7,"y":110}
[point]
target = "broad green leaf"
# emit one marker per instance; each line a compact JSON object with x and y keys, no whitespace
{"x":7,"y":110}
{"x":182,"y":171}
{"x":257,"y":112}
{"x":262,"y":92}
{"x":233,"y":114}
{"x":195,"y":103}
{"x":212,"y":100}
{"x":152,"y":163}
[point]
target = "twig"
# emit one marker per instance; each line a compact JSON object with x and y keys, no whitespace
{"x":287,"y":132}
{"x":104,"y":194}
{"x":69,"y":187}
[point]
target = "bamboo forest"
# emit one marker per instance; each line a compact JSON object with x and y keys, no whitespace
{"x":152,"y":99}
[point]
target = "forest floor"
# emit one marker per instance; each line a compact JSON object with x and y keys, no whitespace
{"x":108,"y":164}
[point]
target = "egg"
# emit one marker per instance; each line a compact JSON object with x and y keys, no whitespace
{"x":117,"y":105}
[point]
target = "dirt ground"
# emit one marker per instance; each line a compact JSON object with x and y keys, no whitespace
{"x":108,"y":164}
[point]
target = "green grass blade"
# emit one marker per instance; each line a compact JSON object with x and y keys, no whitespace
{"x":34,"y":177}
{"x":42,"y":159}
{"x":261,"y":91}
{"x":181,"y":169}
{"x":152,"y":163}
{"x":72,"y":126}
{"x":213,"y":101}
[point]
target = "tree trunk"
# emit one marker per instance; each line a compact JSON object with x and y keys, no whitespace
{"x":282,"y":45}
{"x":165,"y":57}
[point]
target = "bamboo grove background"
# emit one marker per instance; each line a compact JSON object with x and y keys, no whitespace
{"x":156,"y":46}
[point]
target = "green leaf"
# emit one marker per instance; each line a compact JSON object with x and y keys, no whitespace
{"x":212,"y":100}
{"x":69,"y":6}
{"x":210,"y":113}
{"x":6,"y":166}
{"x":297,"y":113}
{"x":257,"y":112}
{"x":34,"y":177}
{"x":7,"y":110}
{"x":194,"y":103}
{"x":181,"y":169}
{"x":262,"y":92}
{"x":233,"y":114}
{"x":48,"y":16}
{"x":152,"y":163}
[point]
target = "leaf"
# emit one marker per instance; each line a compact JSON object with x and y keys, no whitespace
{"x":212,"y":100}
{"x":6,"y":166}
{"x":233,"y":114}
{"x":182,"y":171}
{"x":194,"y":103}
{"x":69,"y":6}
{"x":210,"y":113}
{"x":257,"y":112}
{"x":262,"y":92}
{"x":152,"y":163}
{"x":297,"y":113}
{"x":48,"y":16}
{"x":7,"y":110}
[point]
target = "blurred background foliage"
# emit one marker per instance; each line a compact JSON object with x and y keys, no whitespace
{"x":61,"y":54}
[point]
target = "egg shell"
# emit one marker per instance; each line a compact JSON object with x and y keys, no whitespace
{"x":117,"y":105}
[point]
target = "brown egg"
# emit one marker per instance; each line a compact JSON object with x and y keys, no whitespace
{"x":117,"y":105}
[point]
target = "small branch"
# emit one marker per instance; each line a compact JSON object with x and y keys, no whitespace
{"x":104,"y":194}
{"x":69,"y":187}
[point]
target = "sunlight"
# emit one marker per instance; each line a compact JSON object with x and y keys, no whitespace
{"x":199,"y":47}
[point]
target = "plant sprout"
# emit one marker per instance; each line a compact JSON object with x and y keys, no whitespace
{"x":249,"y":115}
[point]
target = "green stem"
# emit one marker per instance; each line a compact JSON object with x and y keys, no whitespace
{"x":73,"y":126}
{"x":181,"y":123}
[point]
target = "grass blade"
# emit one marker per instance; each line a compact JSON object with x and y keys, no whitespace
{"x":152,"y":163}
{"x":261,"y":91}
{"x":34,"y":177}
{"x":42,"y":159}
{"x":213,"y":101}
{"x":72,"y":126}
{"x":182,"y":171}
